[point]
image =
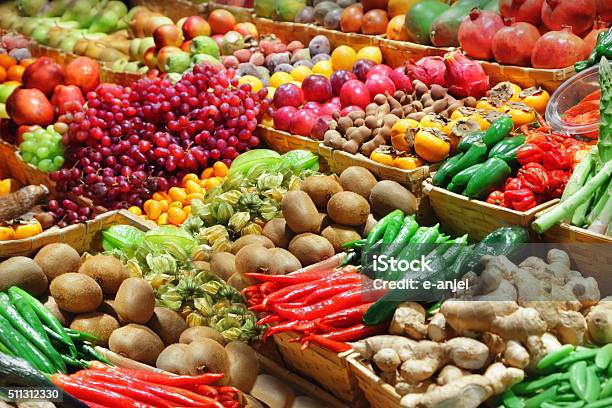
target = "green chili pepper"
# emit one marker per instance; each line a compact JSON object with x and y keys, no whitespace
{"x":455,"y":188}
{"x":510,"y":400}
{"x":462,"y":178}
{"x":76,"y":335}
{"x":441,"y":176}
{"x":91,"y":352}
{"x":568,"y":398}
{"x":507,"y":145}
{"x":391,"y":231}
{"x":404,"y":235}
{"x":548,"y":395}
{"x":349,"y":258}
{"x":578,"y":378}
{"x":499,"y":130}
{"x":357,"y":243}
{"x":593,"y":385}
{"x":477,"y":154}
{"x":379,"y":229}
{"x":493,"y":173}
{"x":468,"y":140}
{"x":606,"y":389}
{"x":547,"y":404}
{"x":604,"y":356}
{"x":74,"y":362}
{"x":564,"y":387}
{"x":557,"y":355}
{"x":16,"y":343}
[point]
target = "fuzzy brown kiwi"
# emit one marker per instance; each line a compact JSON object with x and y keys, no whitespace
{"x":253,"y":259}
{"x":135,"y":300}
{"x":338,"y":235}
{"x":57,"y":258}
{"x":196,"y":333}
{"x":173,"y":359}
{"x":167,"y":324}
{"x":358,"y":180}
{"x":278,"y":232}
{"x":300,"y":212}
{"x":311,"y":248}
{"x":348,"y":208}
{"x":107,"y":270}
{"x":283,"y":262}
{"x":76,"y":293}
{"x":208,"y":356}
{"x":223,"y":264}
{"x":244,"y":365}
{"x":25,"y":273}
{"x":387,"y":196}
{"x":99,"y":324}
{"x":136,"y":342}
{"x":320,"y":189}
{"x":249,"y":240}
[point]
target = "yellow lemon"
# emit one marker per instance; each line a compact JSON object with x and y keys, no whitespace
{"x":300,"y":73}
{"x":279,"y":78}
{"x":370,"y":53}
{"x":323,"y":68}
{"x":343,"y":57}
{"x":255,"y":83}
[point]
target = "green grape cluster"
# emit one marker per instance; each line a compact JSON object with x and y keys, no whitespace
{"x":43,"y":148}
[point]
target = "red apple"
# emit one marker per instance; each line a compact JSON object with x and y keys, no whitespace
{"x":349,"y":109}
{"x":328,"y":108}
{"x":288,"y":95}
{"x":29,"y":107}
{"x":379,"y":69}
{"x":247,"y":29}
{"x":361,"y":68}
{"x":317,"y":88}
{"x":282,"y":117}
{"x":44,"y":74}
{"x":84,"y":73}
{"x":167,"y":35}
{"x":355,"y":92}
{"x":314,"y":107}
{"x":320,"y":127}
{"x":64,"y":98}
{"x":338,"y":78}
{"x":378,"y":84}
{"x":401,"y":80}
{"x":194,"y":26}
{"x":302,"y":122}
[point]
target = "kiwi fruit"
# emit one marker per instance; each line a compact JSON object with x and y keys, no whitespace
{"x":167,"y":324}
{"x":282,"y":262}
{"x":250,"y":240}
{"x":278,"y":232}
{"x":339,"y":234}
{"x":173,"y":359}
{"x":387,"y":196}
{"x":254,"y":259}
{"x":208,"y":356}
{"x":300,"y":213}
{"x":365,"y":229}
{"x":348,"y":208}
{"x":135,"y":301}
{"x":25,"y":273}
{"x":107,"y":270}
{"x":62,"y":316}
{"x":310,"y":248}
{"x":56,"y":259}
{"x":76,"y":293}
{"x":240,"y":281}
{"x":244,"y":365}
{"x":358,"y":180}
{"x":321,"y":188}
{"x":223,"y":264}
{"x":326,"y":221}
{"x":200,"y":332}
{"x":99,"y":324}
{"x":136,"y":342}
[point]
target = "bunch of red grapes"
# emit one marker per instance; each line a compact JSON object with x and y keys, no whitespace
{"x":129,"y":142}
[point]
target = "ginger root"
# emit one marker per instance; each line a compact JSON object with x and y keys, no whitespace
{"x":409,"y":319}
{"x":599,"y":323}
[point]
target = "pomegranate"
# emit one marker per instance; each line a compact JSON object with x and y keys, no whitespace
{"x":528,"y":11}
{"x":476,"y":33}
{"x":465,"y":77}
{"x":513,"y":44}
{"x":317,"y":88}
{"x":302,"y":122}
{"x":591,"y":38}
{"x":379,"y":84}
{"x":288,"y":95}
{"x":355,"y":92}
{"x":577,"y":14}
{"x":400,"y":79}
{"x":379,"y":69}
{"x":84,"y":73}
{"x":338,"y":78}
{"x":557,"y":49}
{"x":44,"y":74}
{"x":29,"y":107}
{"x":282,"y":117}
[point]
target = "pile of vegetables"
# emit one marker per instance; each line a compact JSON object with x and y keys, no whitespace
{"x":585,"y":201}
{"x":21,"y":213}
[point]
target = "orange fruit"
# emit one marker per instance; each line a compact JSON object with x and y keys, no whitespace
{"x":208,"y":173}
{"x":6,"y":61}
{"x":26,"y":62}
{"x":176,"y":204}
{"x":6,"y":233}
{"x":163,"y":219}
{"x":397,"y":7}
{"x":220,"y":169}
{"x":2,"y":74}
{"x":177,"y":194}
{"x":213,"y":182}
{"x":371,"y":53}
{"x":343,"y":57}
{"x":192,"y":187}
{"x":221,"y":21}
{"x":176,"y":215}
{"x":190,"y":176}
{"x":199,"y":196}
{"x":135,"y":210}
{"x":187,"y":210}
{"x":396,"y":29}
{"x":153,"y":210}
{"x":15,"y":73}
{"x":28,"y":230}
{"x":164,"y":204}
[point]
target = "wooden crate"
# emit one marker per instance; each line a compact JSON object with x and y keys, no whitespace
{"x":397,"y":53}
{"x":242,"y":14}
{"x":175,"y":9}
{"x":284,"y":142}
{"x":339,"y":160}
{"x":461,"y":215}
{"x":81,"y":237}
{"x":378,"y":393}
{"x":549,"y":79}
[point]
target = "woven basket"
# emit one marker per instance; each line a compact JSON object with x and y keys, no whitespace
{"x":396,"y":53}
{"x":462,"y":215}
{"x":378,"y":393}
{"x":549,"y":79}
{"x":175,"y":9}
{"x":284,"y":142}
{"x":339,"y":160}
{"x":21,"y":171}
{"x":242,"y":14}
{"x":81,"y":237}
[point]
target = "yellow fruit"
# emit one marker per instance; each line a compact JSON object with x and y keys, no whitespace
{"x":323,"y":68}
{"x":190,"y":176}
{"x":279,"y":78}
{"x":343,"y":57}
{"x":187,"y":210}
{"x":176,"y":215}
{"x":8,"y":186}
{"x":213,"y":182}
{"x":370,"y":53}
{"x":28,"y":230}
{"x":177,"y":194}
{"x":176,"y":204}
{"x":164,"y":204}
{"x":300,"y":73}
{"x":163,"y":219}
{"x":255,"y":82}
{"x":207,"y":173}
{"x":220,"y":169}
{"x":6,"y":233}
{"x":153,"y":210}
{"x":192,"y":187}
{"x":160,"y":196}
{"x":199,"y":196}
{"x":271,"y":91}
{"x":135,"y":210}
{"x":267,"y":121}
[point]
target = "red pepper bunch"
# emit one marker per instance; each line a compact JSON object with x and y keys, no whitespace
{"x":103,"y":386}
{"x":325,"y":306}
{"x":546,"y":162}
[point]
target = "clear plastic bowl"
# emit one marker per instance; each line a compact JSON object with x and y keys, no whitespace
{"x":569,"y":94}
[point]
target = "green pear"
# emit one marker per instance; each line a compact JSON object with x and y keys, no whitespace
{"x":104,"y":22}
{"x":30,"y":7}
{"x":123,"y":24}
{"x":72,"y":25}
{"x":94,"y":36}
{"x":118,"y":7}
{"x":7,"y":19}
{"x":56,"y":36}
{"x":119,"y":64}
{"x":131,"y":67}
{"x":54,"y":9}
{"x":145,"y":44}
{"x":41,"y":34}
{"x":6,"y":90}
{"x":67,"y":44}
{"x":134,"y":45}
{"x":3,"y":113}
{"x":29,"y":25}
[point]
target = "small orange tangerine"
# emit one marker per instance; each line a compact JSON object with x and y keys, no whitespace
{"x":207,"y":173}
{"x":176,"y":215}
{"x":177,"y":194}
{"x":6,"y":61}
{"x":15,"y":73}
{"x":2,"y":74}
{"x":28,"y":230}
{"x":190,"y":176}
{"x":220,"y":169}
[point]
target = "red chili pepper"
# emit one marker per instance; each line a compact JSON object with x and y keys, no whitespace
{"x":520,"y":200}
{"x":250,"y":290}
{"x":497,"y":198}
{"x":328,"y":292}
{"x":80,"y":389}
{"x":292,"y":278}
{"x":93,"y":404}
{"x":135,"y":393}
{"x":557,"y":159}
{"x":268,"y":287}
{"x":534,"y":177}
{"x":207,"y":391}
{"x":557,"y":180}
{"x":529,"y":153}
{"x":536,"y":137}
{"x":173,"y":380}
{"x":353,"y":333}
{"x":271,"y":318}
{"x":338,"y":302}
{"x":332,"y":345}
{"x":283,"y":327}
{"x":347,"y":317}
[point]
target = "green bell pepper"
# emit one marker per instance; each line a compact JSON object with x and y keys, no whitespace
{"x":476,"y":154}
{"x":441,"y":177}
{"x":498,"y":131}
{"x":493,"y":173}
{"x":461,"y":179}
{"x":507,"y":145}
